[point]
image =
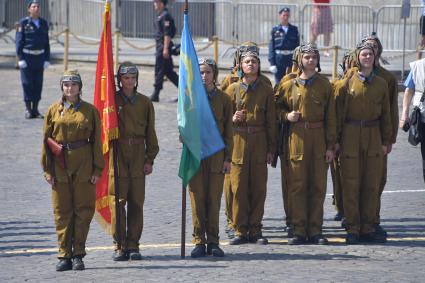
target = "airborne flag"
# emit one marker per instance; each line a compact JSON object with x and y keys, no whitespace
{"x":104,"y":100}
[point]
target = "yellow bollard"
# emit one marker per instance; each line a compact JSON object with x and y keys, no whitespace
{"x":215,"y":44}
{"x":66,"y":50}
{"x":335,"y":62}
{"x":116,"y":50}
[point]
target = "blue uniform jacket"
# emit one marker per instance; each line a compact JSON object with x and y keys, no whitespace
{"x":281,"y":41}
{"x":30,"y":37}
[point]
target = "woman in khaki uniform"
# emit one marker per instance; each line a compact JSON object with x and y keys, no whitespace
{"x":393,"y":97}
{"x":254,"y":141}
{"x":137,"y":149}
{"x":74,"y":124}
{"x":364,"y":133}
{"x":233,"y":77}
{"x":206,"y":187}
{"x":307,"y":104}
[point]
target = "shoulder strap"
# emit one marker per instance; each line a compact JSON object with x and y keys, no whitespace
{"x":238,"y":97}
{"x":294,"y":96}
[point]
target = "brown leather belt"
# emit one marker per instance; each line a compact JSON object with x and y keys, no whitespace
{"x":363,"y":123}
{"x":250,"y":129}
{"x":309,"y":125}
{"x":131,"y":141}
{"x":75,"y":145}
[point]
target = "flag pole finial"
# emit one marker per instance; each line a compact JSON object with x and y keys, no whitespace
{"x":186,"y":6}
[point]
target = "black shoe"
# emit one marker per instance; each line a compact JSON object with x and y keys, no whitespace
{"x":296,"y":240}
{"x":372,"y":238}
{"x":198,"y":251}
{"x":344,"y":223}
{"x":77,"y":263}
{"x":352,"y":239}
{"x":338,"y":216}
{"x":319,"y":240}
{"x":38,"y":115}
{"x":34,"y":111}
{"x":380,"y":231}
{"x":214,"y":250}
{"x":289,"y":231}
{"x":29,"y":115}
{"x":258,"y":239}
{"x":134,"y":255}
{"x":155,"y":96}
{"x":120,"y":255}
{"x":238,"y":240}
{"x":64,"y":264}
{"x":175,"y":100}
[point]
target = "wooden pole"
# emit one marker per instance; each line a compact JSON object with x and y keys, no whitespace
{"x":117,"y":50}
{"x":215,"y":44}
{"x":335,"y":62}
{"x":117,"y":195}
{"x":183,"y":230}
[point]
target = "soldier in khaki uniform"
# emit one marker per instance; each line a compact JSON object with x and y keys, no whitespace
{"x":206,"y":187}
{"x":393,"y":97}
{"x":283,"y":157}
{"x":308,"y":105}
{"x":254,"y":140}
{"x":335,"y":165}
{"x":75,"y":124}
{"x":137,"y":149}
{"x":235,"y":76}
{"x":364,"y":133}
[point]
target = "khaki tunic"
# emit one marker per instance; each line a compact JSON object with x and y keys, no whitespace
{"x":249,"y":167}
{"x":228,"y":195}
{"x":206,"y":187}
{"x":361,"y":148}
{"x":136,"y":121}
{"x":307,"y":168}
{"x":73,"y":203}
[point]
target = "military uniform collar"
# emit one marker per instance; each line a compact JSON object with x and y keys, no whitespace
{"x":68,"y":105}
{"x":132,"y":99}
{"x":211,"y":93}
{"x":306,"y":82}
{"x":247,"y":87}
{"x":363,"y":78}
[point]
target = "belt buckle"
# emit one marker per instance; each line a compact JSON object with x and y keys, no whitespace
{"x":362,"y":123}
{"x":249,"y":130}
{"x":66,"y":146}
{"x":306,"y":125}
{"x":130,"y":141}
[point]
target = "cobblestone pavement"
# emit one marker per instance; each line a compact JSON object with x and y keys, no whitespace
{"x":28,"y":241}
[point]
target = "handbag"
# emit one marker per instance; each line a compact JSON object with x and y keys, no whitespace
{"x":415,"y":137}
{"x":57,"y":151}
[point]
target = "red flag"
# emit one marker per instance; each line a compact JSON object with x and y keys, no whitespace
{"x":104,"y":100}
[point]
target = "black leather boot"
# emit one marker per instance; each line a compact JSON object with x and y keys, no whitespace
{"x":28,"y":110}
{"x":155,"y":96}
{"x":35,"y":112}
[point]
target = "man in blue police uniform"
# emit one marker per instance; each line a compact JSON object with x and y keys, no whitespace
{"x":285,"y":38}
{"x":33,"y":50}
{"x":165,"y":29}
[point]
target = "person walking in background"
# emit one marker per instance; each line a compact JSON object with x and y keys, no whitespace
{"x":72,"y":162}
{"x":284,"y":39}
{"x":321,"y":23}
{"x":422,"y":31}
{"x":165,"y":30}
{"x":33,"y":50}
{"x":415,"y":89}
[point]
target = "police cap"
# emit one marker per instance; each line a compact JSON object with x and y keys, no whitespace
{"x":30,"y":2}
{"x":284,"y":9}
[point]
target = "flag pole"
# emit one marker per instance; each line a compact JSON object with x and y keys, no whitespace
{"x":117,"y":196}
{"x":183,"y":232}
